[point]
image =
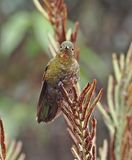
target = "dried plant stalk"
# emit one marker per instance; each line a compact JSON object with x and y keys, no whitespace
{"x":103,"y":151}
{"x":55,"y":11}
{"x":2,"y":142}
{"x":119,"y":97}
{"x":77,"y":114}
{"x":13,"y":149}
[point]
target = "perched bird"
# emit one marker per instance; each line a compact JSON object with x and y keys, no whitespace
{"x":62,"y":69}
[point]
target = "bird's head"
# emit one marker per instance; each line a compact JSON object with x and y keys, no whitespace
{"x":67,"y":47}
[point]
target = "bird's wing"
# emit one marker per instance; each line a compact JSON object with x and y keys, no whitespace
{"x":41,"y":110}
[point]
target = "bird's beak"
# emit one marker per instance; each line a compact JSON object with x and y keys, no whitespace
{"x":67,"y":47}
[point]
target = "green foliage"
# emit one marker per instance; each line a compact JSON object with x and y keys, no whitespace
{"x":15,"y":115}
{"x":11,"y":151}
{"x":16,"y":28}
{"x":89,"y":60}
{"x":13,"y":32}
{"x":41,"y":28}
{"x":32,"y":47}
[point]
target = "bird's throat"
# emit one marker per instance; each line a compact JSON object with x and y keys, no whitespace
{"x":65,"y":58}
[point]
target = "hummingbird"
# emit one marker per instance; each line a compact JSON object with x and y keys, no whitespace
{"x":62,"y":69}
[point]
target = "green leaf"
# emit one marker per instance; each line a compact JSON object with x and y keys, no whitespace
{"x":13,"y":31}
{"x":93,"y":63}
{"x":32,"y":47}
{"x":41,"y":28}
{"x":15,"y":114}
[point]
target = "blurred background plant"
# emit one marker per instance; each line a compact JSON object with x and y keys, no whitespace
{"x":11,"y":150}
{"x":105,"y":26}
{"x":118,"y":118}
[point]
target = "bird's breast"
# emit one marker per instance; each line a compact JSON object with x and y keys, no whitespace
{"x":62,"y":72}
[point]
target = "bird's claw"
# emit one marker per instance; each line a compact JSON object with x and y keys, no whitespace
{"x":60,"y":84}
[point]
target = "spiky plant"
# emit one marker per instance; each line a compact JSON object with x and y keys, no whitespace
{"x":11,"y":151}
{"x":55,"y":11}
{"x":78,"y":111}
{"x":119,"y":97}
{"x":77,"y":115}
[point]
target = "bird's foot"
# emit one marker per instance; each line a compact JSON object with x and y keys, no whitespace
{"x":60,"y":84}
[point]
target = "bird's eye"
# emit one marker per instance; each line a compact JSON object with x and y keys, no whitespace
{"x":72,"y":49}
{"x":60,"y":47}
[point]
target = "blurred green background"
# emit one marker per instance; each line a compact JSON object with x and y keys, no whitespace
{"x":105,"y":27}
